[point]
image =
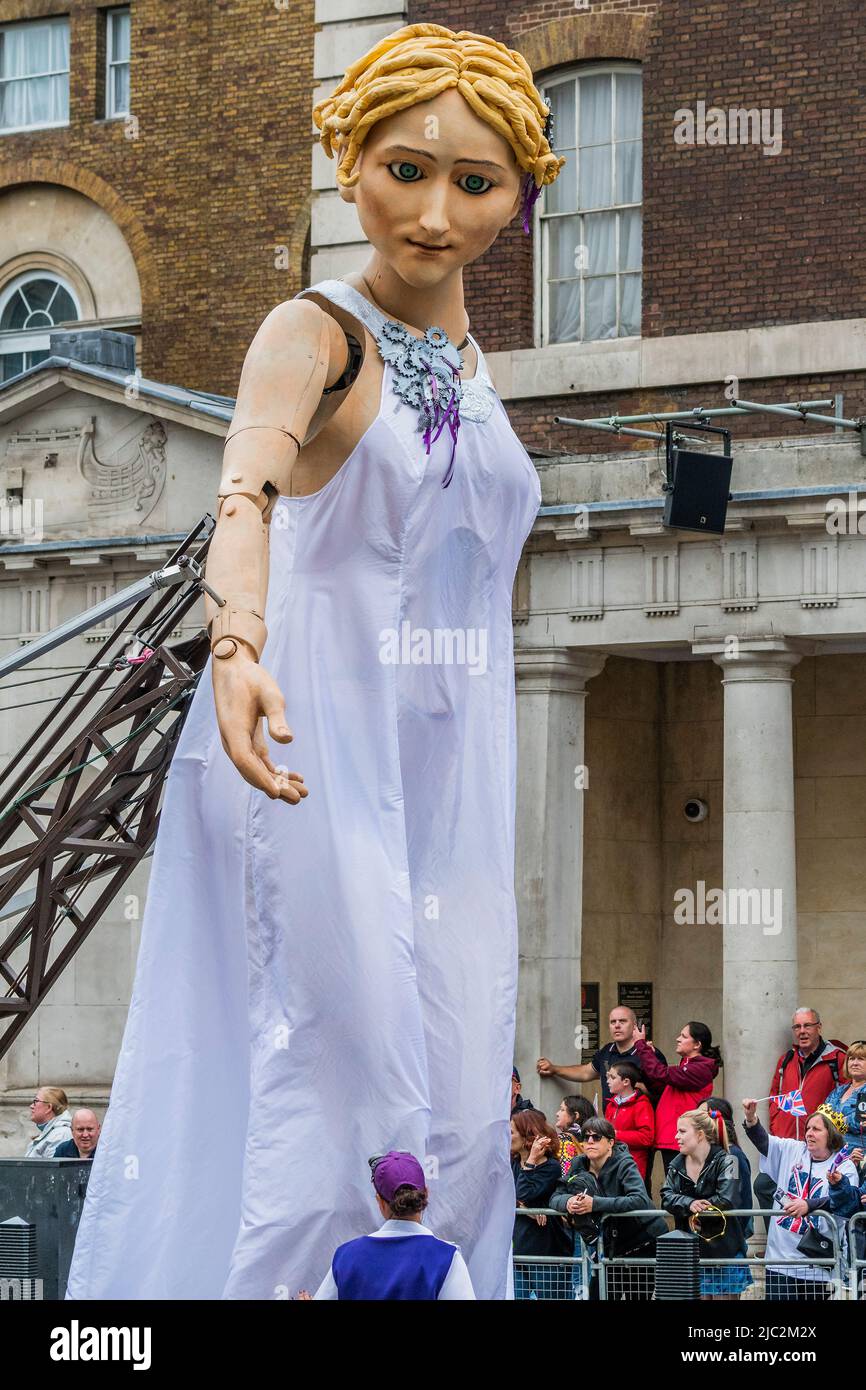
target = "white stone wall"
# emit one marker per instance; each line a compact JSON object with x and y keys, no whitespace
{"x":349,"y":29}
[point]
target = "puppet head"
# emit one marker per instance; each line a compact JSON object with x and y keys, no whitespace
{"x":417,"y":63}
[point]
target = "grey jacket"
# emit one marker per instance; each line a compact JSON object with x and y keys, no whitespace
{"x":57,"y":1131}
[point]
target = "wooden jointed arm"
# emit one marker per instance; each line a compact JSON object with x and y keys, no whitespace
{"x":281,"y":386}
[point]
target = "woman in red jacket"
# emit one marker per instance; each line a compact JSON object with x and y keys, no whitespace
{"x":685,"y":1085}
{"x":630,"y":1112}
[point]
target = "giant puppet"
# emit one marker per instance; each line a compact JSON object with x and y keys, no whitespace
{"x":328,"y":959}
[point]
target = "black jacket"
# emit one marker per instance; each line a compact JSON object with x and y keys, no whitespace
{"x":621,"y":1189}
{"x":70,"y":1150}
{"x":718,"y":1182}
{"x":534,"y":1188}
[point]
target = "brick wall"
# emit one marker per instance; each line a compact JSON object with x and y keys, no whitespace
{"x":533,"y":419}
{"x":498,"y":287}
{"x":732,"y":237}
{"x":216,"y":177}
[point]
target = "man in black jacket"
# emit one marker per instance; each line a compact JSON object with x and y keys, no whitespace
{"x":85,"y":1136}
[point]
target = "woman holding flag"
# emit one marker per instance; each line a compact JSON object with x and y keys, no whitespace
{"x":810,"y":1175}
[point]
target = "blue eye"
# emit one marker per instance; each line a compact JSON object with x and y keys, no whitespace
{"x":473,"y":181}
{"x":403,"y":165}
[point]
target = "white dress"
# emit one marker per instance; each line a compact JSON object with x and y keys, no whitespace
{"x":323,"y":982}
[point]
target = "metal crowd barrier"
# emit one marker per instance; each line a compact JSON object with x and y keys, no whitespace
{"x":857,"y":1255}
{"x":551,"y":1277}
{"x":590,"y":1273}
{"x":743,"y":1276}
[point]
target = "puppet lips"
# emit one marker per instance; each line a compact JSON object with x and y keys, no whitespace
{"x":423,"y":247}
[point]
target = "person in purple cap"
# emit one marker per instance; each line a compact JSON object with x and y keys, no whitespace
{"x":392,"y":1263}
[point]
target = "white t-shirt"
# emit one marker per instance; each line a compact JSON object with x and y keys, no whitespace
{"x":788,"y":1163}
{"x":457,"y":1285}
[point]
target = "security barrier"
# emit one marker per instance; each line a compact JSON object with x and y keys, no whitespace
{"x":857,"y":1255}
{"x":793,"y":1279}
{"x":551,"y":1277}
{"x":593,"y":1274}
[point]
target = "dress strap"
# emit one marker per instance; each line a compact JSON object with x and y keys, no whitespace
{"x":482,"y":373}
{"x":352,"y":301}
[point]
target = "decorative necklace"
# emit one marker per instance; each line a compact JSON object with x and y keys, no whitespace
{"x":426,"y":377}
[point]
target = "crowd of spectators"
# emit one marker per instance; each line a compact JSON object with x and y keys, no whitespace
{"x":594,"y":1169}
{"x":587,"y":1177}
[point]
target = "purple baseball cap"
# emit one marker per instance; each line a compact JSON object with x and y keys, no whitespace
{"x":397,"y":1169}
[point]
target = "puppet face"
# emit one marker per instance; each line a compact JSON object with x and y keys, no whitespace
{"x":423,"y":179}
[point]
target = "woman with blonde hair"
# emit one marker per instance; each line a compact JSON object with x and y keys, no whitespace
{"x":356,"y":954}
{"x":701,"y":1184}
{"x":49,"y":1111}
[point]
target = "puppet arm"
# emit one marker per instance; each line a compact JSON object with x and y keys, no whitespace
{"x":297,"y":351}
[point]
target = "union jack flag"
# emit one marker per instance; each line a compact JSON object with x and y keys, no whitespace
{"x":792,"y":1103}
{"x":798,"y":1186}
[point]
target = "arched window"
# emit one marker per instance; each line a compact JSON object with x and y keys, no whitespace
{"x":590,"y":216}
{"x":30,"y":306}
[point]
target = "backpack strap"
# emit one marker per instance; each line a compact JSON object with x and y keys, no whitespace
{"x":788,"y":1057}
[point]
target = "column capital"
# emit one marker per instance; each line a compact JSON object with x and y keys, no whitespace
{"x":564,"y":669}
{"x":769,"y":657}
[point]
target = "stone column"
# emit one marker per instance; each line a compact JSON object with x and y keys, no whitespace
{"x":759,"y":859}
{"x":551,"y":696}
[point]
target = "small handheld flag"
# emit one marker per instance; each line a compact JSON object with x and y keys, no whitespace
{"x":791,"y":1103}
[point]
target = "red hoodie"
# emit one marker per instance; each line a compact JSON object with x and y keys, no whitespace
{"x":634,"y":1121}
{"x":685,"y":1087}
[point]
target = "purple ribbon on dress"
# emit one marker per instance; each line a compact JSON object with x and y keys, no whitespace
{"x":450,"y":416}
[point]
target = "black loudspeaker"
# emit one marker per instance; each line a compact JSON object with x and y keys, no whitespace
{"x":698,"y":500}
{"x":698,"y":486}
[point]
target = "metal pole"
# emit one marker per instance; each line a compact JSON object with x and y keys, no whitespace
{"x":697,"y":413}
{"x":801,"y":412}
{"x":610,"y":428}
{"x":185,"y":571}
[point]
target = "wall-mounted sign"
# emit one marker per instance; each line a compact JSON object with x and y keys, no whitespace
{"x":587,"y":1035}
{"x":638,"y":995}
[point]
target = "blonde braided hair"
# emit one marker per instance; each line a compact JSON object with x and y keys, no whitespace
{"x":415,"y":64}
